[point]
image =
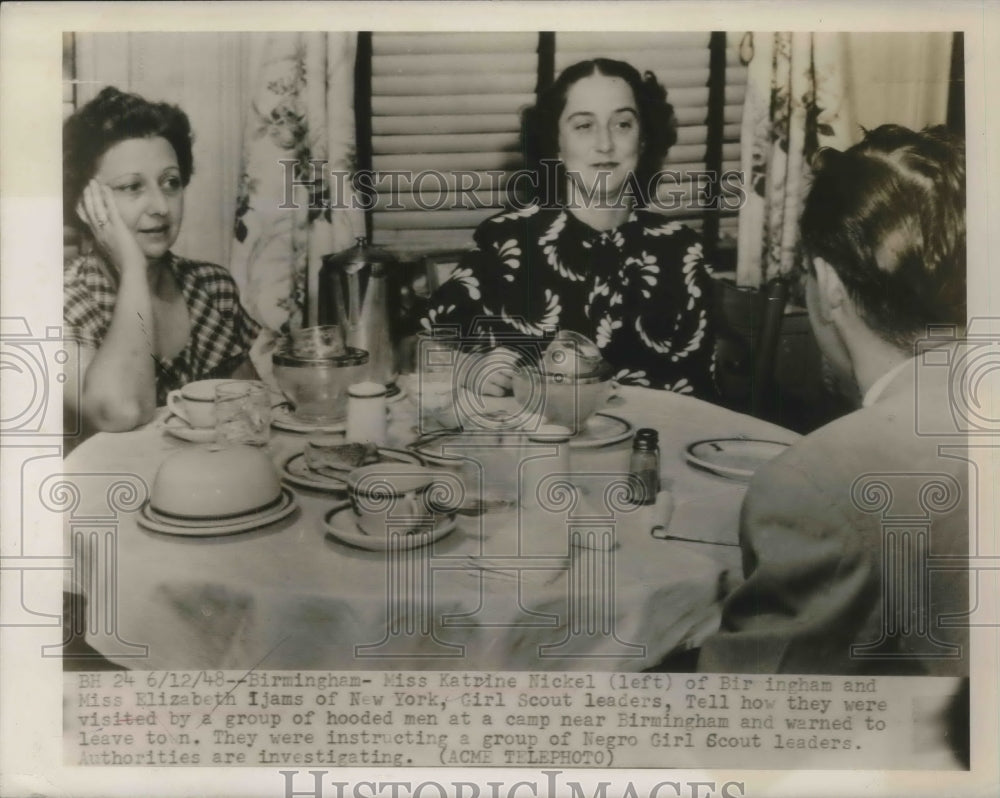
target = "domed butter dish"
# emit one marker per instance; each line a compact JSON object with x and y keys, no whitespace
{"x":215,"y":483}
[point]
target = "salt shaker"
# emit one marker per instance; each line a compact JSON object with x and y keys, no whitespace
{"x":644,"y":465}
{"x":366,"y":422}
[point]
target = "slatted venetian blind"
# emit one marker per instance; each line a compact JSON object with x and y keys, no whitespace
{"x":444,"y":104}
{"x":450,"y":102}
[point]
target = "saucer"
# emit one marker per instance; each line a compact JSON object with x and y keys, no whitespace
{"x":737,"y":458}
{"x":179,"y":428}
{"x":397,"y":395}
{"x":602,"y":429}
{"x":295,"y":471}
{"x":339,"y":524}
{"x":282,"y":418}
{"x":204,"y":527}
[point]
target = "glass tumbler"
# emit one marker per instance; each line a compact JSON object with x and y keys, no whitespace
{"x":242,"y":413}
{"x":437,"y":361}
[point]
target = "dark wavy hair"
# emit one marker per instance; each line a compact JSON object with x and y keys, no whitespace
{"x":111,"y":117}
{"x":540,"y":123}
{"x":888,"y":215}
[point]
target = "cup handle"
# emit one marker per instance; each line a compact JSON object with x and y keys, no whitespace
{"x":417,"y":510}
{"x":175,"y":403}
{"x":614,"y":397}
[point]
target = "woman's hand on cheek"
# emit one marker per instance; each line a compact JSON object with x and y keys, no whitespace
{"x":98,"y":209}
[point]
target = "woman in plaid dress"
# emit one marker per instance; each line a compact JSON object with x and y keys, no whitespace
{"x":147,"y":320}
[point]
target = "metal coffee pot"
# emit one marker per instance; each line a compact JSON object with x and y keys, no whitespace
{"x":358,"y":291}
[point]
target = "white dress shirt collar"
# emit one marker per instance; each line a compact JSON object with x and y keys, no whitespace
{"x":874,"y":393}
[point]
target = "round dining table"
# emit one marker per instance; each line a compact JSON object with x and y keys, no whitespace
{"x":290,"y":595}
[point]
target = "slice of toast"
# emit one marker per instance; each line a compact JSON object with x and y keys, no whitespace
{"x":348,"y":456}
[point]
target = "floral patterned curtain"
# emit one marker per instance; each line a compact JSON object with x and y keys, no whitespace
{"x":300,"y":109}
{"x":795,"y":103}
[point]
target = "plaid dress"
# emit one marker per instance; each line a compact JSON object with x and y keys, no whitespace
{"x":221,"y":330}
{"x":642,"y":292}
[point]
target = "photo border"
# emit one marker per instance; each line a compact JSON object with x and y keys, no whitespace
{"x":30,"y":210}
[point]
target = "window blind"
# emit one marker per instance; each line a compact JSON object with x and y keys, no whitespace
{"x":445,"y":113}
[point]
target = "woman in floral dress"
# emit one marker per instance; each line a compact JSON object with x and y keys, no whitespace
{"x":585,"y":255}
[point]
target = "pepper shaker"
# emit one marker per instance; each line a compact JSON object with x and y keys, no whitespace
{"x":644,"y":465}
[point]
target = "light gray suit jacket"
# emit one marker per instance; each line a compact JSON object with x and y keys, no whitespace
{"x":845,"y":537}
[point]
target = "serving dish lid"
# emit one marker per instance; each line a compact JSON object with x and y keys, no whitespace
{"x":216,"y":483}
{"x":351,"y":357}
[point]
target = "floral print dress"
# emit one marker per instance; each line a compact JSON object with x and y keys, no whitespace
{"x":641,"y":292}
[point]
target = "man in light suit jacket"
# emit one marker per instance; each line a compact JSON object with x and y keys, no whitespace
{"x":845,"y":536}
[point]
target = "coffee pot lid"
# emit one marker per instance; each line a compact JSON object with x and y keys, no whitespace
{"x":360,"y":255}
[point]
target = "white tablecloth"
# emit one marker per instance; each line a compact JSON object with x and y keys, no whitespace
{"x":288,"y":596}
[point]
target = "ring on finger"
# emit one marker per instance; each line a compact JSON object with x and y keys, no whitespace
{"x":101,"y":222}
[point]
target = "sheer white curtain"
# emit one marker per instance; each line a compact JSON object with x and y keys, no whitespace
{"x":898,"y":77}
{"x":299,"y":109}
{"x":795,"y":103}
{"x":808,"y":90}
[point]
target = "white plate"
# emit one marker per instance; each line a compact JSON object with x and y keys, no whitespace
{"x":339,"y":523}
{"x":179,"y":428}
{"x":151,"y":520}
{"x":733,"y":457}
{"x":282,"y":418}
{"x":601,"y":429}
{"x":296,"y":472}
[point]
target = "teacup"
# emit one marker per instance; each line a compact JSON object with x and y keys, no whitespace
{"x":400,"y":498}
{"x":195,"y":402}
